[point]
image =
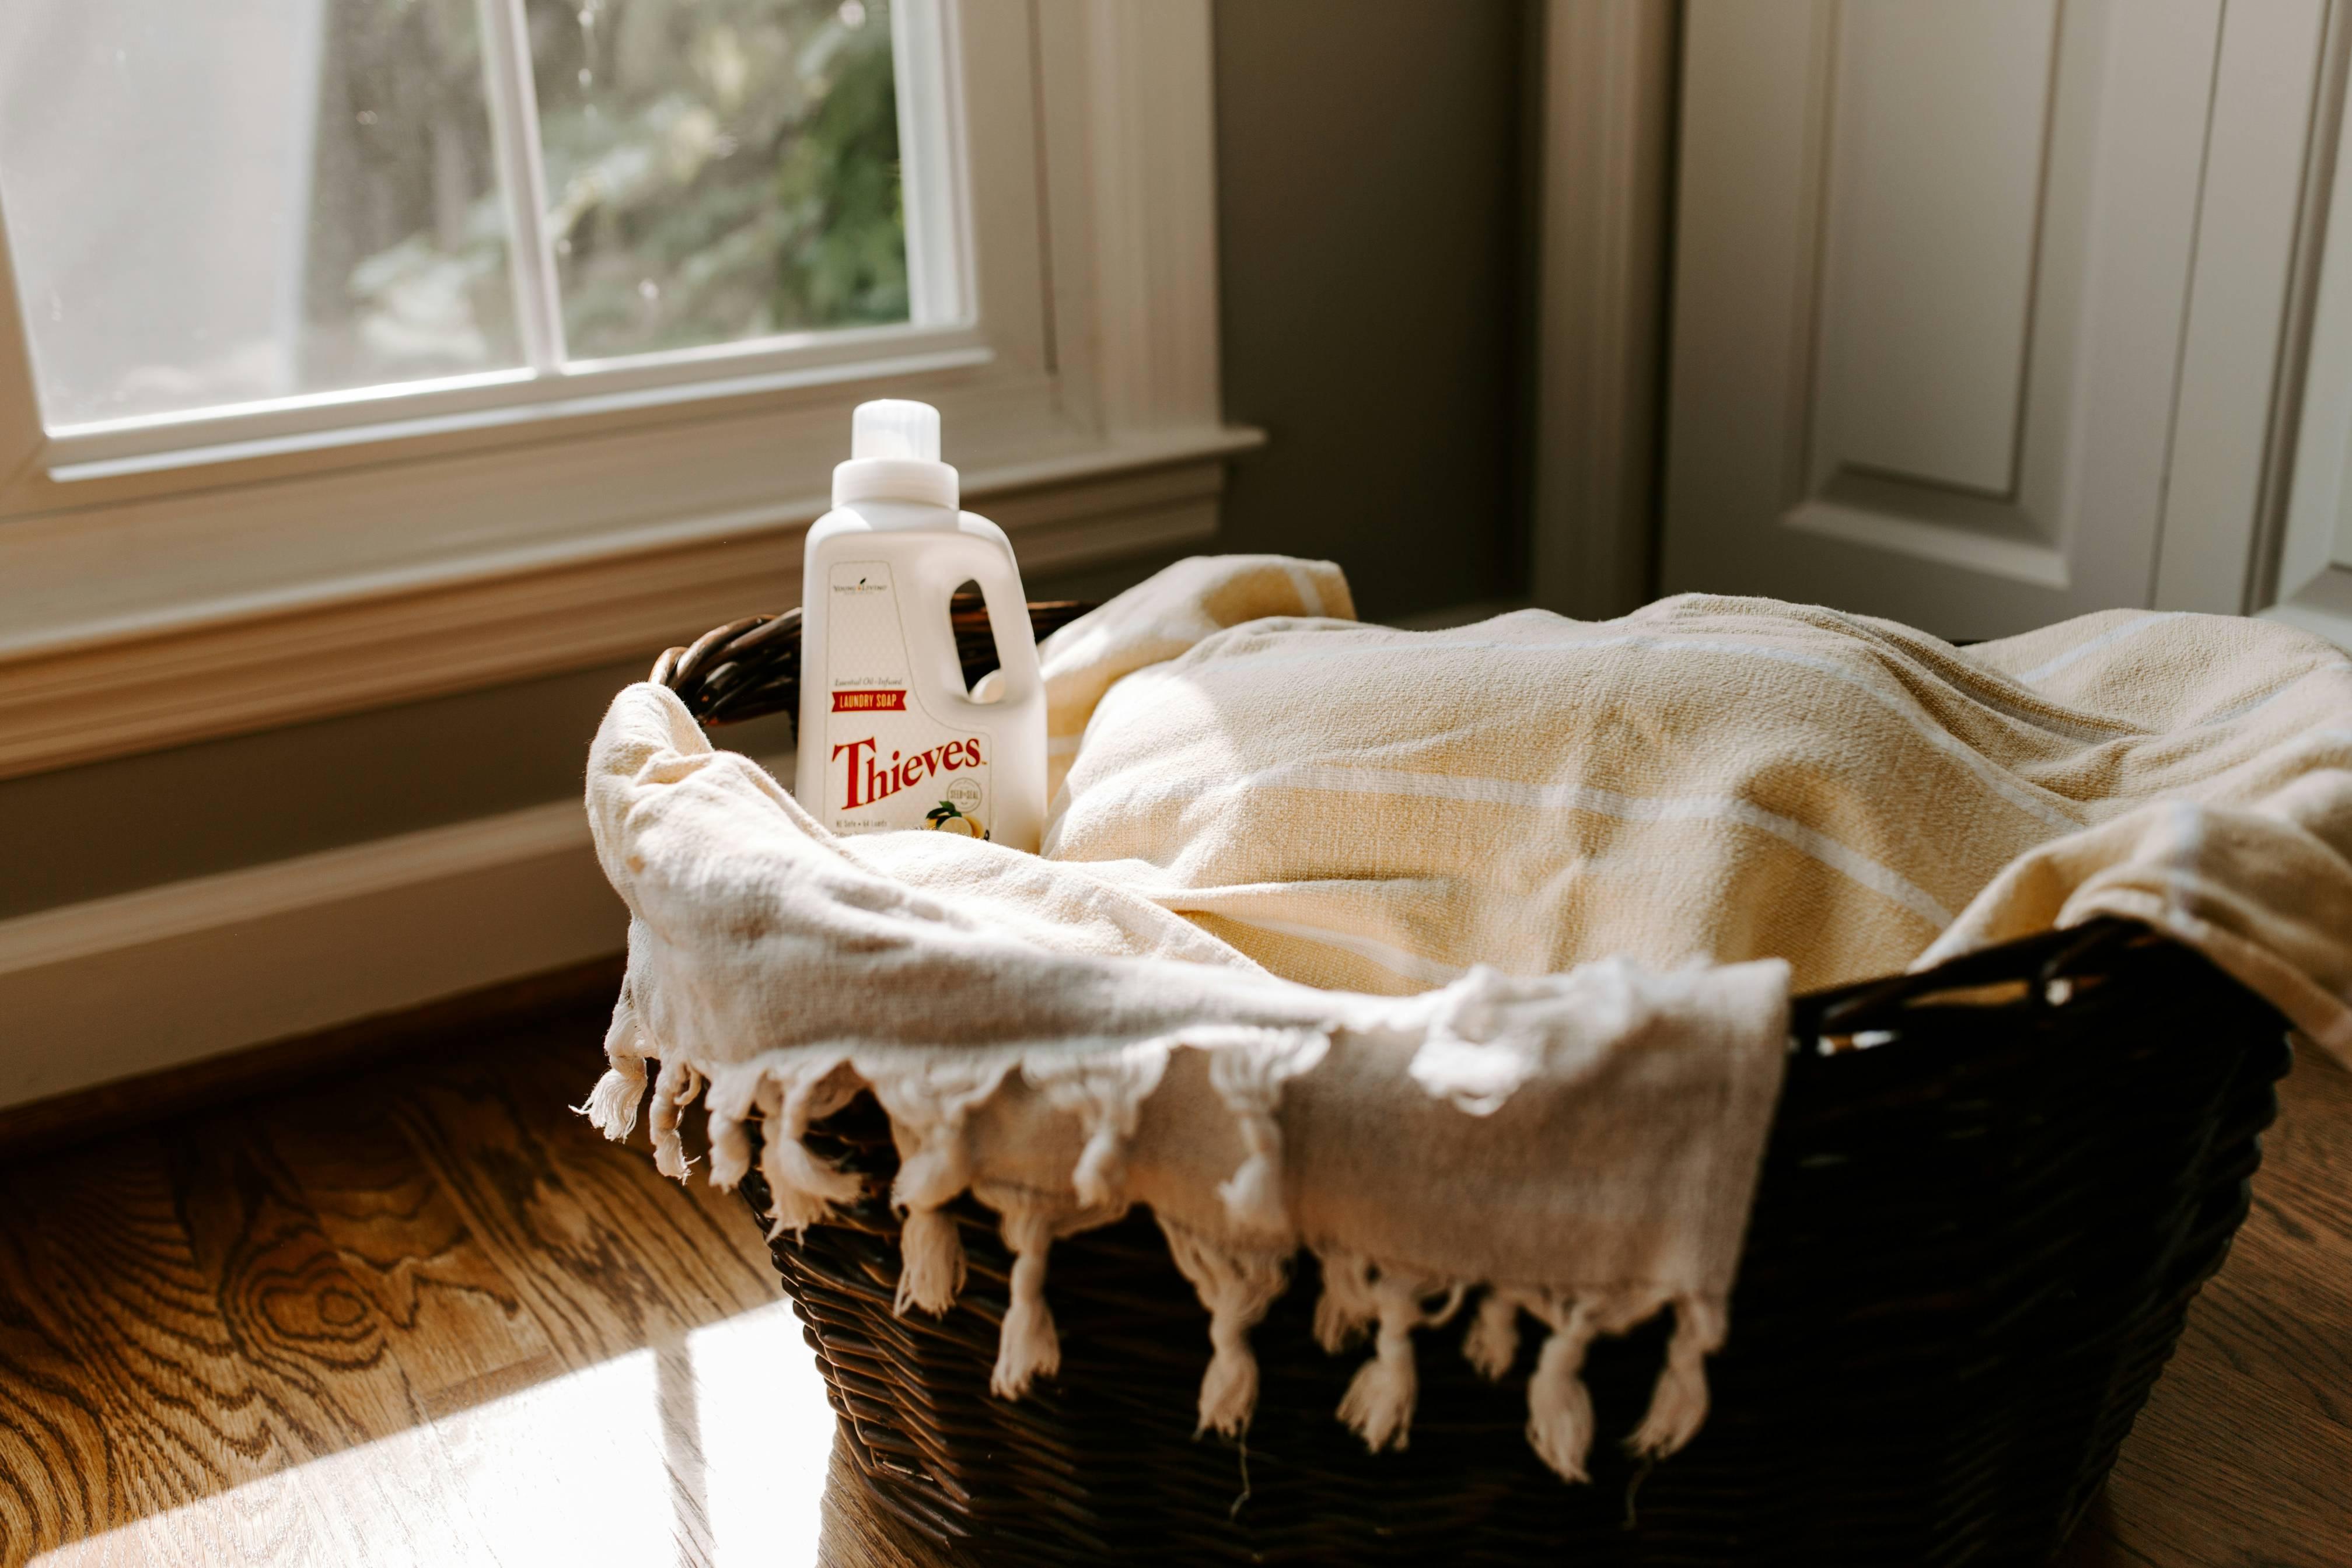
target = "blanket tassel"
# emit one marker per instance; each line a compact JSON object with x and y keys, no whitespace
{"x":802,"y":1189}
{"x":674,"y":1090}
{"x":1559,"y":1407}
{"x":1100,"y":1177}
{"x":612,"y":1107}
{"x":1236,"y":1289}
{"x":1378,"y":1407}
{"x":1346,"y":1308}
{"x":1492,"y":1345}
{"x":930,"y":1249}
{"x":1028,"y":1348}
{"x":1679,"y":1404}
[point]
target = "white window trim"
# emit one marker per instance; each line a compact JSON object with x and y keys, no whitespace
{"x":153,"y":596}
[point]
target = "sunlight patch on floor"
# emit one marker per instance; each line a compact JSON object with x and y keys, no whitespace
{"x":712,"y":1451}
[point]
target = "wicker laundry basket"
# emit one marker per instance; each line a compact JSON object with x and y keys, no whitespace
{"x":1972,"y":1250}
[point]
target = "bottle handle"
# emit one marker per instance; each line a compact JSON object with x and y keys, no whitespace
{"x":982,"y":562}
{"x":1008,"y":626}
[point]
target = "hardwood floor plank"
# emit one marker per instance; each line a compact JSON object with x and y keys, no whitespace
{"x":102,"y":1268}
{"x":599,"y":1245}
{"x":328,"y":1358}
{"x":563,"y":1077}
{"x":453,"y":1320}
{"x":57,"y":1472}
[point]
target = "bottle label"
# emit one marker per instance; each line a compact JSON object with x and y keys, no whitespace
{"x":889,"y":764}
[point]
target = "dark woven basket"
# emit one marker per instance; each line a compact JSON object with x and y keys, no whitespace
{"x":1973,"y":1248}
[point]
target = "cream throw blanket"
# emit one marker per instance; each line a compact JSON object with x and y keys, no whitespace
{"x":1582,"y":1145}
{"x":1707,"y":779}
{"x":1258,"y":803}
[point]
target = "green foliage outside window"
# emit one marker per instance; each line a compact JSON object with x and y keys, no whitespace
{"x":717,"y":171}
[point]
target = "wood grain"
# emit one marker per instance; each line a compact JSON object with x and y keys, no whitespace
{"x":422,"y":1313}
{"x":2243,"y":1457}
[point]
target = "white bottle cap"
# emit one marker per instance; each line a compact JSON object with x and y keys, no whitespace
{"x":894,"y":456}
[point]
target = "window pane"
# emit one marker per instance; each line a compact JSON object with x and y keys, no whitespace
{"x":214,"y":202}
{"x":718,"y":169}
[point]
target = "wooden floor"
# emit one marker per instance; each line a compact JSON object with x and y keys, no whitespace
{"x":423,"y":1314}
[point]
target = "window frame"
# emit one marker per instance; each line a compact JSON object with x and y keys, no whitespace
{"x":152,"y":595}
{"x":551,"y":384}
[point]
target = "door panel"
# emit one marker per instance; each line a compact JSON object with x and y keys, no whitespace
{"x":1932,"y":260}
{"x":1940,"y":114}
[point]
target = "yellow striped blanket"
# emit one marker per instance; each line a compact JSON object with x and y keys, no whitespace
{"x":1713,"y":778}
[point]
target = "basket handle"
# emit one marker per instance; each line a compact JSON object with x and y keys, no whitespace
{"x":751,"y":668}
{"x":2051,"y":958}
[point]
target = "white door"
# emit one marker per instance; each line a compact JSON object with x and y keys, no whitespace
{"x":1932,"y":344}
{"x":2314,"y":585}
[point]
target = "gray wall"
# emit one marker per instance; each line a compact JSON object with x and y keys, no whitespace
{"x":1368,"y":237}
{"x":1369,"y":190}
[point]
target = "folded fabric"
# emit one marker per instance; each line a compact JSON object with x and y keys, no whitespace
{"x":1582,"y":1148}
{"x":1713,"y":780}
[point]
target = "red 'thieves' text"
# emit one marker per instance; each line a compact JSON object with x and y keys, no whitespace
{"x":871,"y":781}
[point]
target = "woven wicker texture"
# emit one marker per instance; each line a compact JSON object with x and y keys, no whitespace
{"x":1973,"y":1249}
{"x":750,"y":668}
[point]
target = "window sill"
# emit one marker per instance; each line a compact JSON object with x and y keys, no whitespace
{"x":112,"y":679}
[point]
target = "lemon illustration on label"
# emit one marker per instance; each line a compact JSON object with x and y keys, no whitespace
{"x":944,"y":817}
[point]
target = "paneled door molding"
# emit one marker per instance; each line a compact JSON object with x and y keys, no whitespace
{"x":1986,"y":312}
{"x":1606,"y":126}
{"x":2269,"y":160}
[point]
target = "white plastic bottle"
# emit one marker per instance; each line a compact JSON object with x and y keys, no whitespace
{"x":889,"y":736}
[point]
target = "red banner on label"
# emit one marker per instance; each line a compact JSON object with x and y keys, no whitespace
{"x":869,"y":702}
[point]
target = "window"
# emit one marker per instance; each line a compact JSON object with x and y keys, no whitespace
{"x":357,"y":351}
{"x":227,"y":216}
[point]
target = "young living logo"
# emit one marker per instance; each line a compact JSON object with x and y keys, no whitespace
{"x":861,"y":586}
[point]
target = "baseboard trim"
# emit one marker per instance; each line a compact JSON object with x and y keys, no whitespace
{"x":172,"y":977}
{"x":575,"y":997}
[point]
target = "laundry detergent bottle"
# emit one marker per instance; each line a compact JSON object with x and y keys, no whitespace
{"x":890,"y":737}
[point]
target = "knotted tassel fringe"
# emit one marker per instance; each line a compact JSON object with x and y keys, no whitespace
{"x":731,"y":1147}
{"x":1237,"y":1287}
{"x":1028,"y":1348}
{"x":1378,"y":1407}
{"x":1100,"y":1177}
{"x":804,"y":1190}
{"x":1347,"y":1307}
{"x":1252,"y":1194}
{"x":1249,"y":1074}
{"x":674,"y":1090}
{"x":1678,"y":1405}
{"x":1492,"y":1345}
{"x":927,"y":1107}
{"x":1107,"y":1096}
{"x":1559,"y":1407}
{"x":930,"y":1262}
{"x":930,"y":1251}
{"x":612,"y":1107}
